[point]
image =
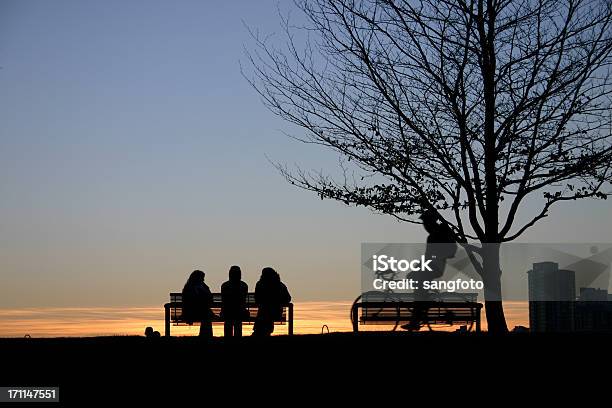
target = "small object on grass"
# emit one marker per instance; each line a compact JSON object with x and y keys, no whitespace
{"x":150,"y":334}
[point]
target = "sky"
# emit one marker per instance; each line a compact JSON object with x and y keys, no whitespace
{"x":132,"y":151}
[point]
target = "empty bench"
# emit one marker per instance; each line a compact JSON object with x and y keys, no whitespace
{"x":174,"y":312}
{"x":374,"y":309}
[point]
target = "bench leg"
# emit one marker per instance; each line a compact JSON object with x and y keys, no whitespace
{"x":290,"y":323}
{"x":355,"y":317}
{"x":478,"y":320}
{"x":167,"y":322}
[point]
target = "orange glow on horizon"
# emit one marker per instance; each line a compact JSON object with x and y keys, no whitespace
{"x":107,"y":321}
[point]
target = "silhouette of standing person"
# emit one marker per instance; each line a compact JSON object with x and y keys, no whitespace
{"x":233,"y":303}
{"x":440,"y":246}
{"x":197,"y":301}
{"x":270,"y":296}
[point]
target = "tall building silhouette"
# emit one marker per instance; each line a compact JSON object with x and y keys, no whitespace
{"x":552,"y":295}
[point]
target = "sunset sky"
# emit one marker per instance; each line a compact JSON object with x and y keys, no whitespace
{"x":104,"y":321}
{"x":133,"y":151}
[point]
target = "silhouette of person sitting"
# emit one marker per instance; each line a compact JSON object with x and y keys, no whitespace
{"x":270,"y":296}
{"x":197,"y":301}
{"x":440,"y":247}
{"x":233,"y":303}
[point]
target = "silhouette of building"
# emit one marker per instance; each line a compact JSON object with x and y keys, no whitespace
{"x":553,"y":306}
{"x":593,"y":295}
{"x":552,"y":295}
{"x":593,"y":311}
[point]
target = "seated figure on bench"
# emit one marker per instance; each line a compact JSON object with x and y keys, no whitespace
{"x":197,"y":302}
{"x":270,"y":295}
{"x":440,"y":246}
{"x":233,"y":303}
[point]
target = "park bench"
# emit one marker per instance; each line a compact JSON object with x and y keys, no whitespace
{"x":381,"y":308}
{"x":174,"y":312}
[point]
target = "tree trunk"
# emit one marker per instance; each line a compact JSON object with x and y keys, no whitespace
{"x":496,"y":320}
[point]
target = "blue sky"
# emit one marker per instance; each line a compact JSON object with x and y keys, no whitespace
{"x":133,"y":151}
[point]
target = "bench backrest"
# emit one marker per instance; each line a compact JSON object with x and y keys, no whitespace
{"x":373,"y":312}
{"x":377,"y":296}
{"x":176,"y":308}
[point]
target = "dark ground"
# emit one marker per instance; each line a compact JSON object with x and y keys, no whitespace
{"x":460,"y":366}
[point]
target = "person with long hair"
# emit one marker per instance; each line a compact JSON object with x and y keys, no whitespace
{"x":270,"y":296}
{"x":197,"y":302}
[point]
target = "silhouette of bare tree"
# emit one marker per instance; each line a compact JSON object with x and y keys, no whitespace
{"x":468,"y":108}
